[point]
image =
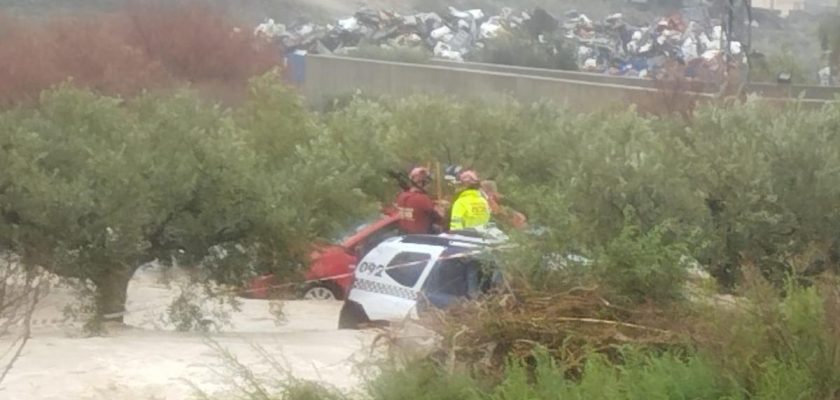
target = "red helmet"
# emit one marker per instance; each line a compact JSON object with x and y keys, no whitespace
{"x":469,"y":177}
{"x":419,"y":175}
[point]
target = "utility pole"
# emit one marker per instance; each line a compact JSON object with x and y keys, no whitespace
{"x":732,"y":22}
{"x":748,"y":46}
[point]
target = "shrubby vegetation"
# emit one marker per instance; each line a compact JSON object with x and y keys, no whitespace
{"x":735,"y":183}
{"x":744,"y":190}
{"x":93,"y":186}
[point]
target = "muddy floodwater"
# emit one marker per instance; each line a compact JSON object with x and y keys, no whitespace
{"x":150,"y":361}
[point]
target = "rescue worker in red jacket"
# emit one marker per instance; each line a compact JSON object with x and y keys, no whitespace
{"x":417,"y":211}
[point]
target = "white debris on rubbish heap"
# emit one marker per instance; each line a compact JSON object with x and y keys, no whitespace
{"x":612,"y":46}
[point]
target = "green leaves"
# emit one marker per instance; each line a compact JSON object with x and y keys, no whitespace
{"x":93,"y":184}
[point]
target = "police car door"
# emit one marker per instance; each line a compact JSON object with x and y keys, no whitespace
{"x":389,"y":278}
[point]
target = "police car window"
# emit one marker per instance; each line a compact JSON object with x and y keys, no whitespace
{"x":452,"y":277}
{"x":459,"y":275}
{"x":406,"y":268}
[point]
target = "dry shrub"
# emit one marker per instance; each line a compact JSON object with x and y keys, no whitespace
{"x":794,"y":332}
{"x":196,"y":43}
{"x":86,"y":51}
{"x":146,"y":47}
{"x":675,"y":95}
{"x":571,"y":325}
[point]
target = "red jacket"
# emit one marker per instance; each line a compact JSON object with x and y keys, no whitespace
{"x":417,"y":212}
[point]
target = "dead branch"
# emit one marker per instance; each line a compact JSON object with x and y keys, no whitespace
{"x":21,"y":289}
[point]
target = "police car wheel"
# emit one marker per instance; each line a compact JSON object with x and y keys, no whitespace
{"x":352,"y":316}
{"x":321,"y":292}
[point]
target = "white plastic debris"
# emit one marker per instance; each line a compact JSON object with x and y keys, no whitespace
{"x":717,"y":33}
{"x":689,"y":49}
{"x":582,"y":21}
{"x":709,"y":43}
{"x":440,"y":33}
{"x":476,"y":13}
{"x":825,"y":76}
{"x":460,"y":42}
{"x":506,"y":13}
{"x":349,"y":24}
{"x":710,"y":55}
{"x":410,"y":40}
{"x":459,"y":14}
{"x":491,"y":28}
{"x":410,"y":20}
{"x":270,"y":29}
{"x":661,"y":39}
{"x":735,"y":48}
{"x":590,"y":64}
{"x":444,"y":51}
{"x":306,"y":29}
{"x":584,"y":51}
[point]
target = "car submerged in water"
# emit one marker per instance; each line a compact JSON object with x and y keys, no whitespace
{"x":330,"y":272}
{"x":405,"y":274}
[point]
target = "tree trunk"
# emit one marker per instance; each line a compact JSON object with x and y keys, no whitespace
{"x":111,"y":294}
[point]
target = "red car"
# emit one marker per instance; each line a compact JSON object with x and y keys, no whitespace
{"x":331,"y":266}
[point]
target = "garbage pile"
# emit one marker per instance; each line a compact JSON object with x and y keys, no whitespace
{"x":612,"y":46}
{"x":619,"y":48}
{"x":451,"y":36}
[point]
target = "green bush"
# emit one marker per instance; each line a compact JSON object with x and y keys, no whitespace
{"x":95,"y":186}
{"x":419,"y":380}
{"x":770,"y":336}
{"x":738,"y":183}
{"x":643,"y":266}
{"x":641,"y":376}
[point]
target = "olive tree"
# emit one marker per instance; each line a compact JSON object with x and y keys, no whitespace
{"x":94,"y":187}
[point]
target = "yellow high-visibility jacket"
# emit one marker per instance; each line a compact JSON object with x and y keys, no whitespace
{"x":469,"y":210}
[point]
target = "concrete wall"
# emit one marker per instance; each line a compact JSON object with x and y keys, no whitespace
{"x":784,"y":6}
{"x":328,"y":77}
{"x":573,"y":75}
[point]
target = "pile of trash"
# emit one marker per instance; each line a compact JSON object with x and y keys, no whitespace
{"x":613,"y":46}
{"x":451,"y":36}
{"x":619,"y":48}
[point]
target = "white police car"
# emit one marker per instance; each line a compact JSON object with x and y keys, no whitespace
{"x":407,"y":272}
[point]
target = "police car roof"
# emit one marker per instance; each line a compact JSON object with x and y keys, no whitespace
{"x":444,"y":240}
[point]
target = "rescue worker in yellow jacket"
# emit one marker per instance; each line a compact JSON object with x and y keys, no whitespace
{"x":470,"y":209}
